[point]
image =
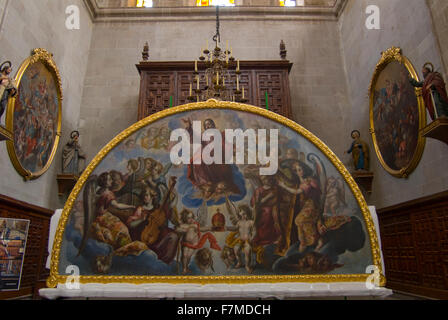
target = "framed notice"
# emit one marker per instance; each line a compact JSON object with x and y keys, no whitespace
{"x":13,"y":235}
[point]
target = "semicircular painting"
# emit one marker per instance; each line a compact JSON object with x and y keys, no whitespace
{"x":220,"y":190}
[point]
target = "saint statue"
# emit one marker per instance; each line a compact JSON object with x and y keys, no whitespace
{"x":360,"y":152}
{"x":8,"y":86}
{"x":73,"y":157}
{"x":434,"y":92}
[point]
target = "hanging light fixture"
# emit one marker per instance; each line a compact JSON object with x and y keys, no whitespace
{"x":216,"y":82}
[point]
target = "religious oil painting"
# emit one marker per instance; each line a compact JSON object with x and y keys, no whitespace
{"x":396,"y":115}
{"x":13,"y":235}
{"x":35,"y":115}
{"x":220,"y":192}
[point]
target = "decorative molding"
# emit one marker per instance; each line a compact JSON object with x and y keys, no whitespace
{"x":310,"y":13}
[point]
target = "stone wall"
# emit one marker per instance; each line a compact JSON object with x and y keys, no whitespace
{"x":406,"y":24}
{"x":28,"y":25}
{"x":318,"y":87}
{"x":439,"y":13}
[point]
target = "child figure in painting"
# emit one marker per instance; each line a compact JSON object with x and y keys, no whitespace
{"x":241,"y":238}
{"x":192,"y":239}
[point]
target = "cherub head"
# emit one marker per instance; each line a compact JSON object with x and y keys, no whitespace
{"x":157,"y":169}
{"x":221,"y":188}
{"x":187,"y":217}
{"x":228,"y":256}
{"x":148,"y":164}
{"x":165,"y":132}
{"x":244,"y":212}
{"x":207,"y":190}
{"x":204,"y":259}
{"x":132,"y":165}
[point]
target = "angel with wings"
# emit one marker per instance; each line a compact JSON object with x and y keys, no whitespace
{"x":311,"y":192}
{"x":243,"y":232}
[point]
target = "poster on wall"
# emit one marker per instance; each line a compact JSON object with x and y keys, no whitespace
{"x":148,"y":210}
{"x":13,"y":236}
{"x":34,"y":115}
{"x":397,"y":114}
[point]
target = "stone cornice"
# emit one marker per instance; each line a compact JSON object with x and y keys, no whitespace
{"x":307,"y":13}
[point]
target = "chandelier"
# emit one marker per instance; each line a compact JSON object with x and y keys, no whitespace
{"x":216,"y":82}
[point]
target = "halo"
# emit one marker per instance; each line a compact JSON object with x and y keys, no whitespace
{"x":4,"y":63}
{"x":74,"y":132}
{"x":429,"y":64}
{"x":354,"y":132}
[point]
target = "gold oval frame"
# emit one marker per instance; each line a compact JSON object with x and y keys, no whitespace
{"x":390,"y":55}
{"x":45,"y":57}
{"x":56,"y":278}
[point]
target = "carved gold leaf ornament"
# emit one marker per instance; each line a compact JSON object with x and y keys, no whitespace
{"x":56,"y":278}
{"x":46,"y":58}
{"x":387,"y":57}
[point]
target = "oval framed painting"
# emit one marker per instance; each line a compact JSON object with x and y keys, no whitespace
{"x":397,"y":114}
{"x":150,"y":209}
{"x":34,"y":116}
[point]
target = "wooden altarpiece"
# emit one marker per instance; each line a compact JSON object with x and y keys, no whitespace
{"x":165,"y":81}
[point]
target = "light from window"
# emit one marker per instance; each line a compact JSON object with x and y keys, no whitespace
{"x":287,"y":3}
{"x":144,"y":4}
{"x":206,"y":3}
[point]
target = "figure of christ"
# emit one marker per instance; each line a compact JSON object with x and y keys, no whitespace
{"x":192,"y":239}
{"x":206,"y":174}
{"x":241,"y":237}
{"x":267,"y":221}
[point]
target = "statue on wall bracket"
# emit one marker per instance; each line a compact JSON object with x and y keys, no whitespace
{"x":361,"y":161}
{"x":73,"y":163}
{"x":8,"y":88}
{"x":436,"y":102}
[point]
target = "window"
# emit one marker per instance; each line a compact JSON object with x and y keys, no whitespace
{"x":144,"y":4}
{"x":287,"y":3}
{"x":206,"y":3}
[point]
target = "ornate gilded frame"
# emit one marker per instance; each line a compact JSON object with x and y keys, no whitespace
{"x":56,"y":278}
{"x":390,"y":55}
{"x":45,"y":57}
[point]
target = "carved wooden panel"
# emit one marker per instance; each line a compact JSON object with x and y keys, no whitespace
{"x":157,"y":89}
{"x":36,"y":251}
{"x":160,"y":80}
{"x":415,"y":246}
{"x":184,"y":79}
{"x":272,"y":83}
